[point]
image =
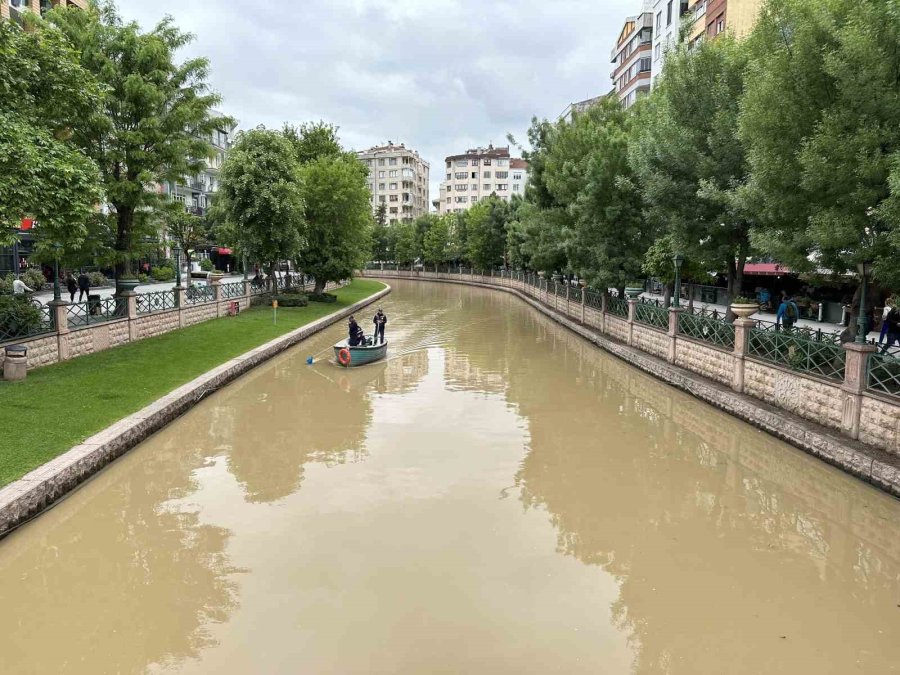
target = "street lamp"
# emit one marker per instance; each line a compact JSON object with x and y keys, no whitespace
{"x":678,"y":259}
{"x":245,"y":266}
{"x":56,"y":294}
{"x":176,"y":252}
{"x":865,"y":268}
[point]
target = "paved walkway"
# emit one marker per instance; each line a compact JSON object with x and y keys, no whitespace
{"x":107,"y":291}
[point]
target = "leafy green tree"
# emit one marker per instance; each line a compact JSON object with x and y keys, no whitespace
{"x":821,"y":120}
{"x":261,"y":197}
{"x":486,"y":229}
{"x":407,"y":247}
{"x":380,"y":235}
{"x":338,"y":218}
{"x":45,"y":94}
{"x":436,"y":245}
{"x":155,"y":117}
{"x":313,"y":140}
{"x":688,"y":161}
{"x":186,"y":230}
{"x":659,"y":263}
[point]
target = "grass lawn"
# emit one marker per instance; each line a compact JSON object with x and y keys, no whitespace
{"x":59,"y":406}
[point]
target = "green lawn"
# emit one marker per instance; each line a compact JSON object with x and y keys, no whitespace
{"x":59,"y":406}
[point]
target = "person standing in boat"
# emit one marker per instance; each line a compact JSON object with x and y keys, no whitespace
{"x":380,"y":322}
{"x":355,"y":336}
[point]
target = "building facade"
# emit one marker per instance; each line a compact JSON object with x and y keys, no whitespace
{"x":667,"y":16}
{"x":398,"y":178}
{"x":632,"y":57}
{"x":478,"y":174}
{"x":12,"y":9}
{"x":196,"y":193}
{"x":579,"y":107}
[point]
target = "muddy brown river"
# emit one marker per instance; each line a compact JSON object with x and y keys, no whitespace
{"x":499,"y":497}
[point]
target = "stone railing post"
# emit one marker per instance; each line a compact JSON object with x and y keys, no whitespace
{"x":583,"y":293}
{"x":181,"y":302}
{"x":742,"y":328}
{"x":248,"y":288}
{"x":61,"y":321}
{"x":674,"y":314}
{"x":568,"y":289}
{"x":632,"y":306}
{"x":604,"y":302}
{"x":856,"y":371}
{"x":131,"y":306}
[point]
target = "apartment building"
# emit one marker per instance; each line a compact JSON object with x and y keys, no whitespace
{"x":580,"y":106}
{"x":196,"y":193}
{"x":398,"y":178}
{"x":478,"y":174}
{"x":711,"y":18}
{"x":632,"y":57}
{"x":667,"y":16}
{"x":12,"y":9}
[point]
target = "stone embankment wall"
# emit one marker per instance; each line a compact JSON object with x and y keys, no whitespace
{"x":68,"y":342}
{"x":846,"y":406}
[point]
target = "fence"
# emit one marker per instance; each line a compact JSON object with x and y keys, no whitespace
{"x":58,"y":332}
{"x":805,"y":371}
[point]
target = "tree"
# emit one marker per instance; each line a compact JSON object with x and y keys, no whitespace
{"x":312,"y":140}
{"x":45,"y":94}
{"x":381,"y":246}
{"x":155,"y":118}
{"x":407,"y":245}
{"x":186,"y":230}
{"x":823,"y":158}
{"x":261,"y":197}
{"x":337,"y":240}
{"x":436,"y":245}
{"x":486,"y":229}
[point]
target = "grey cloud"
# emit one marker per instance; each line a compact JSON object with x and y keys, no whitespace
{"x":439,"y":75}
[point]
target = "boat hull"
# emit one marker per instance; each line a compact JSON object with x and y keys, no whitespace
{"x":360,"y":355}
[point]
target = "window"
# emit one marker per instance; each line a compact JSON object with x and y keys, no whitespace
{"x":658,"y":22}
{"x":462,"y":200}
{"x":392,"y":161}
{"x":657,"y":51}
{"x":449,"y":200}
{"x":487,"y":162}
{"x":487,"y":174}
{"x":517,"y":176}
{"x":475,"y":188}
{"x":381,"y":174}
{"x":462,"y":175}
{"x":720,"y":24}
{"x":381,"y":199}
{"x":502,"y":186}
{"x":645,"y":65}
{"x":474,"y":199}
{"x":178,"y":198}
{"x":394,"y":198}
{"x":393,"y":209}
{"x":393,"y":173}
{"x":501,"y":174}
{"x":669,"y":14}
{"x":486,"y":187}
{"x":462,"y":188}
{"x":449,"y":165}
{"x":474,"y":162}
{"x":393,"y":186}
{"x":501,"y":162}
{"x":516,"y":187}
{"x":449,"y":176}
{"x":381,"y":186}
{"x":380,"y":162}
{"x":462,"y":162}
{"x":474,"y":174}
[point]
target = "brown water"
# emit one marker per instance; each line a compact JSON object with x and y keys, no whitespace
{"x":503,"y":498}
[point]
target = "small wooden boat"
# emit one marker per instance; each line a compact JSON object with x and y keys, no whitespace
{"x":359,"y":355}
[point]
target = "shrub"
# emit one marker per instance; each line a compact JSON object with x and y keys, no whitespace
{"x":162,"y":273}
{"x":6,"y":284}
{"x":206,"y":265}
{"x":18,"y":317}
{"x":143,"y":278}
{"x":294,"y":290}
{"x":98,"y":279}
{"x":292,"y":300}
{"x":322,"y":297}
{"x":744,"y":300}
{"x":34,"y":279}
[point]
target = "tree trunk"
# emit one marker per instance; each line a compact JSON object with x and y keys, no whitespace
{"x":273,"y":280}
{"x":320,"y":286}
{"x":690,"y":289}
{"x":667,"y":294}
{"x":124,"y":224}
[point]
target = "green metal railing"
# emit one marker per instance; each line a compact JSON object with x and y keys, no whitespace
{"x":157,"y":301}
{"x":617,"y":306}
{"x":651,"y":315}
{"x":798,"y":353}
{"x":884,"y":374}
{"x":17,"y":322}
{"x":198,"y":294}
{"x":96,"y":311}
{"x":714,"y":331}
{"x":233,"y":290}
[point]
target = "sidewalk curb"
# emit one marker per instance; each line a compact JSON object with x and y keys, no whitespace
{"x":27,"y":497}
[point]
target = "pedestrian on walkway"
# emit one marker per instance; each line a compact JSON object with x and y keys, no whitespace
{"x":788,"y":313}
{"x":84,"y":285}
{"x":19,"y":287}
{"x":71,"y":286}
{"x":890,"y":330}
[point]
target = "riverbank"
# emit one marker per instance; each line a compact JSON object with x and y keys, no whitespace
{"x":59,"y":406}
{"x":645,"y":349}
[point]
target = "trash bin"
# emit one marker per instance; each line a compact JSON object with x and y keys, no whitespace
{"x":94,"y":305}
{"x":15,"y":362}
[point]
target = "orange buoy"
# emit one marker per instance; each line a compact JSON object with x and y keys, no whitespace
{"x":344,"y":357}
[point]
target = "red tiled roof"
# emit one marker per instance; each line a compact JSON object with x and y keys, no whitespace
{"x":516,"y":163}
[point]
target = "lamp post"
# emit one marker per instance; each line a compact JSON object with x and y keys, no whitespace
{"x":678,"y":259}
{"x":245,"y":267}
{"x":56,"y":294}
{"x":864,"y":268}
{"x":176,"y":252}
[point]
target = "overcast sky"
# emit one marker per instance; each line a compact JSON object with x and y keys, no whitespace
{"x":439,"y":75}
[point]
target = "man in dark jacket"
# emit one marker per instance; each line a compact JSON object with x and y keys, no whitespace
{"x":84,"y":285}
{"x":355,"y":334}
{"x":380,"y":322}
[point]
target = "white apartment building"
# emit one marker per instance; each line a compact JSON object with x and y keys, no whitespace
{"x":398,"y":178}
{"x":666,"y":24}
{"x":478,"y":174}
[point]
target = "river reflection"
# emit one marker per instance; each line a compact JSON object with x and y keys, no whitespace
{"x":498,"y":497}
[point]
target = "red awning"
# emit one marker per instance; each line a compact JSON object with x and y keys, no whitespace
{"x":27,"y":224}
{"x":766,"y":269}
{"x":223,"y":251}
